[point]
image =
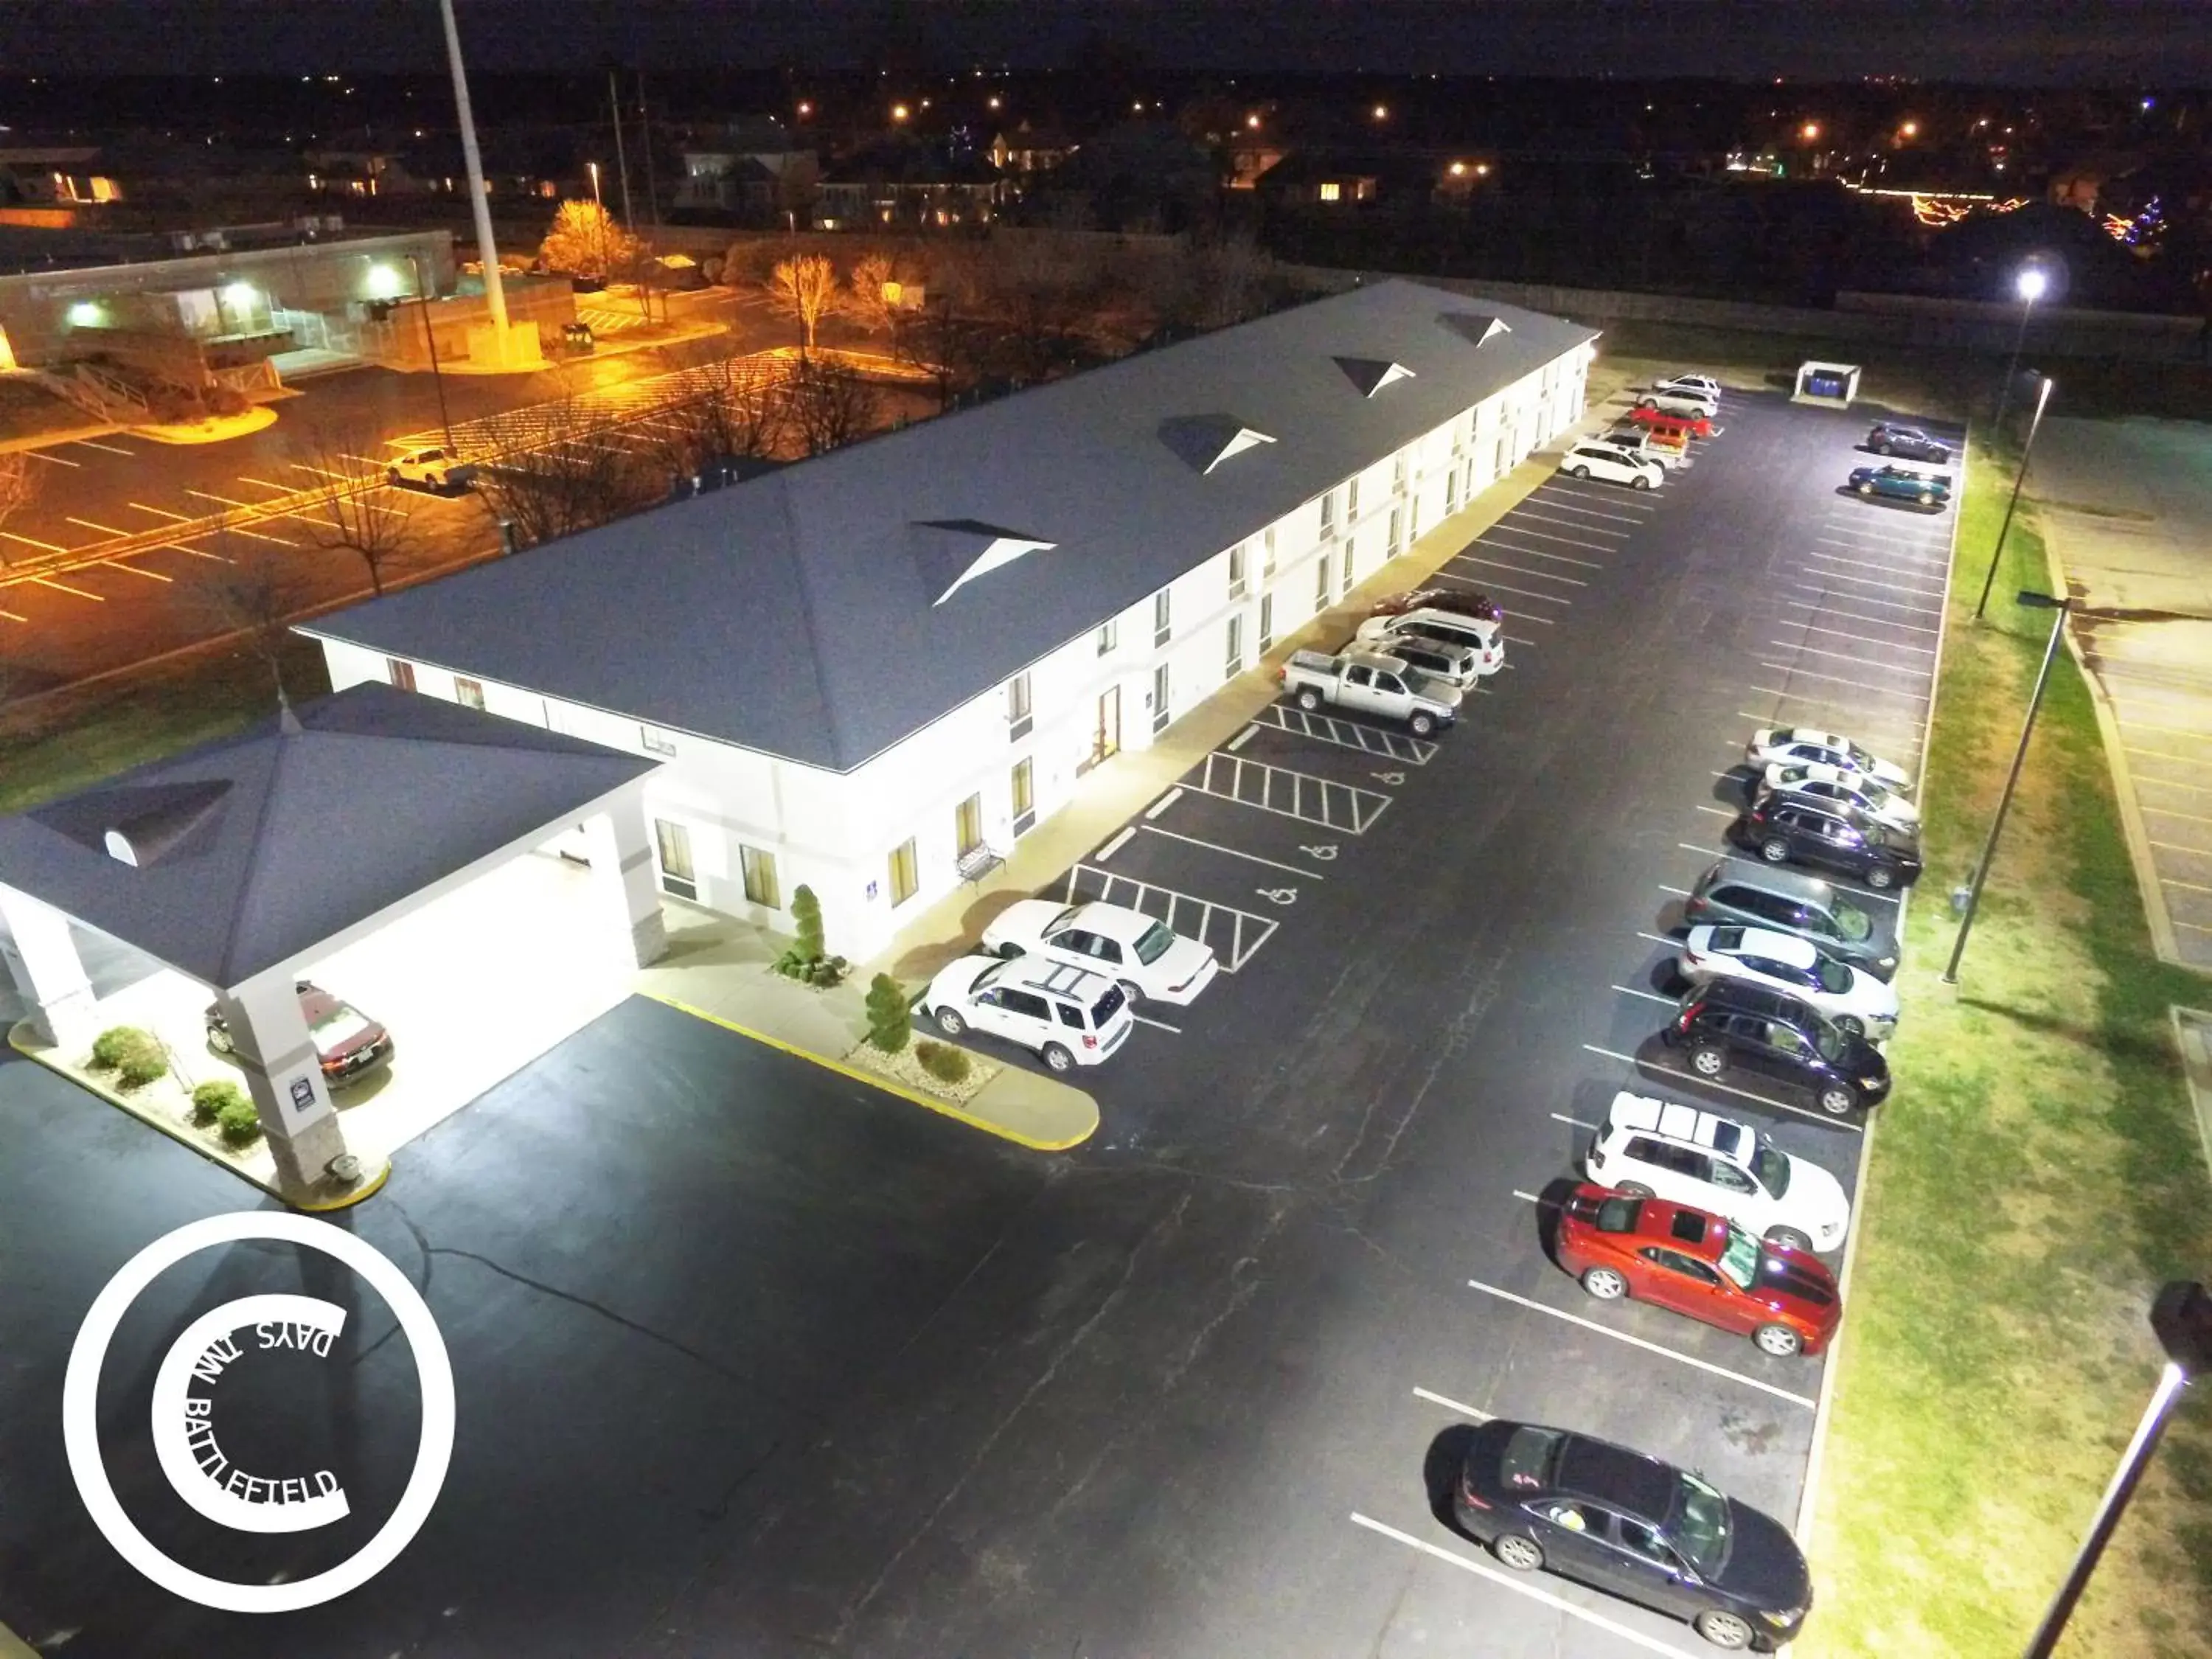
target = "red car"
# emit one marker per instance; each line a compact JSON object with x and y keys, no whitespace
{"x":1685,"y":426}
{"x":1458,"y":601}
{"x":1784,"y":1300}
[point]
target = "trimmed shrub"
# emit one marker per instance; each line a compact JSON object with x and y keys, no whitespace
{"x":209,"y":1100}
{"x":111,"y":1044}
{"x":890,"y":1025}
{"x":137,"y":1057}
{"x":807,"y":920}
{"x":942,"y":1061}
{"x":240,"y":1124}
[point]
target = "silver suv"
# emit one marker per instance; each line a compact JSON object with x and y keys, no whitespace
{"x":1760,"y":895}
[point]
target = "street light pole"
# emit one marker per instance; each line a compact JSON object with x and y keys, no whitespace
{"x":2029,"y":285}
{"x":430,"y":334}
{"x":2181,"y":1316}
{"x":597,"y":201}
{"x":2042,"y":397}
{"x":2040,"y":601}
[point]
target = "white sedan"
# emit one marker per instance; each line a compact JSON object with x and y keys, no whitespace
{"x":1592,"y":459}
{"x":431,"y":469}
{"x":1848,"y":997}
{"x":1688,"y":404}
{"x":1691,"y":385}
{"x":1820,"y":782}
{"x":1800,"y":745}
{"x":1147,"y":958}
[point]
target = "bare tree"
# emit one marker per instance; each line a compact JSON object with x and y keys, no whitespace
{"x":253,"y":590}
{"x":869,"y":295}
{"x":733,"y":409}
{"x":572,"y":479}
{"x":351,"y":511}
{"x":830,"y":405}
{"x":806,"y":287}
{"x":1237,"y":279}
{"x":17,"y":487}
{"x":1041,"y":297}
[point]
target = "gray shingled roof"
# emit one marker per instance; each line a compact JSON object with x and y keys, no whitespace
{"x":797,"y":613}
{"x":255,"y":849}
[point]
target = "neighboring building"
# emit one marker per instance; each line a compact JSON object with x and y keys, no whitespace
{"x":874,"y":672}
{"x":904,"y":182}
{"x":1023,"y":150}
{"x":756,"y":165}
{"x":56,"y":176}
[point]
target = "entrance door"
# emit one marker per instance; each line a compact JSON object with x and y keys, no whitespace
{"x":1106,"y":741}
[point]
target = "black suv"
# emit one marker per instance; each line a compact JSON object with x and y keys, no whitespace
{"x":1729,"y":1023}
{"x":1909,"y":442}
{"x":1791,"y":829}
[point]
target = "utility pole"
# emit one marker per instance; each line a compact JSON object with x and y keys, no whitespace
{"x":653,"y":204}
{"x":621,"y":161}
{"x":437,"y":375}
{"x":479,"y":204}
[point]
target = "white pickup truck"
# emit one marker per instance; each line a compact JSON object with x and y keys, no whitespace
{"x":1369,"y":682}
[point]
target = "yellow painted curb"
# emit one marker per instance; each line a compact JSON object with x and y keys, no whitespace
{"x":13,"y":1646}
{"x":175,"y":1132}
{"x":875,"y":1079}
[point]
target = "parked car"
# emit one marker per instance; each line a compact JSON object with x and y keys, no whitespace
{"x":1691,"y":385}
{"x":1851,"y":999}
{"x":1818,"y":781}
{"x":1791,"y":829}
{"x":1633,"y":443}
{"x":1681,"y":422}
{"x":1650,"y":1148}
{"x":1146,"y":956}
{"x":1457,"y":665}
{"x":1669,"y":446}
{"x":1909,"y":442}
{"x":1802,"y":745}
{"x":428,"y":469}
{"x":1902,"y":483}
{"x":1439,"y":627}
{"x":1760,"y":895}
{"x":1646,"y":1531}
{"x":1063,"y":1015}
{"x":349,"y":1044}
{"x":1591,"y":460}
{"x":1733,"y":1021}
{"x":1680,"y":402}
{"x":1368,"y":683}
{"x":1455,"y":601}
{"x":1699,"y":1264}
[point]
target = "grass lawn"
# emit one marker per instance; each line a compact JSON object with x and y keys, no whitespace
{"x":50,"y":748}
{"x":2036,"y":1177}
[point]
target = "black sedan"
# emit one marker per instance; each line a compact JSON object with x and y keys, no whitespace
{"x":1731,"y":1022}
{"x":1793,"y":829}
{"x":1910,"y":441}
{"x":1645,"y":1530}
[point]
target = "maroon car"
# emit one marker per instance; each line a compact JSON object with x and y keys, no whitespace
{"x":346,"y":1042}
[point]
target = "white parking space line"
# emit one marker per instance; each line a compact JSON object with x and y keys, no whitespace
{"x":1706,"y":1365}
{"x":1567,"y":496}
{"x":1531,"y":1198}
{"x":10,"y":616}
{"x":1863,"y":639}
{"x":1679,"y":892}
{"x":1717,"y":811}
{"x":1235,"y":935}
{"x":1242,"y":739}
{"x":2176,"y":846}
{"x":1549,"y":536}
{"x":1519,"y":1586}
{"x":1659,"y":939}
{"x":303,"y":466}
{"x":1234,"y":852}
{"x":111,"y":449}
{"x":1858,"y":657}
{"x":1488,"y":585}
{"x":1827,"y":576}
{"x":1496,"y":546}
{"x":1451,"y":1405}
{"x":2169,"y":783}
{"x":2195,"y":732}
{"x":1767,"y":1101}
{"x":1878,"y":734}
{"x":41,"y":455}
{"x":1853,"y":616}
{"x":1565,"y":523}
{"x":103,"y":529}
{"x":1163,"y":804}
{"x":1875,"y":564}
{"x":44,"y":547}
{"x":263,"y":484}
{"x":1838,"y":679}
{"x":2168,"y":812}
{"x":1649,"y":996}
{"x":198,"y":552}
{"x":63,"y":588}
{"x":1868,"y":599}
{"x":1158,"y":1025}
{"x":1344,"y":734}
{"x":1849,"y":536}
{"x":150,"y":576}
{"x":1122,"y":840}
{"x":159,"y":511}
{"x":1900,"y":534}
{"x":1536,"y":575}
{"x":1577,"y":1122}
{"x":1290,"y":795}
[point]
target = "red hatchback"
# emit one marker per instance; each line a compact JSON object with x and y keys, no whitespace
{"x":1685,"y":426}
{"x":1784,"y":1300}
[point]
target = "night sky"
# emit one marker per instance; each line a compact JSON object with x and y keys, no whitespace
{"x":2156,"y":42}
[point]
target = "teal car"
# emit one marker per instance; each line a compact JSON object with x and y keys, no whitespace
{"x":1901,"y":484}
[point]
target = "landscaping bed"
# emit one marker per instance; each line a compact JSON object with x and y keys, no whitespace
{"x":2038,"y":1173}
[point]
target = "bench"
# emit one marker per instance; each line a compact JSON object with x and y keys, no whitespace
{"x":978,"y":863}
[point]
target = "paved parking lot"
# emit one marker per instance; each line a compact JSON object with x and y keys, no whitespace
{"x":1199,"y":1386}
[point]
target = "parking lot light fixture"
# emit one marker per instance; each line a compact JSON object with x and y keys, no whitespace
{"x":2034,"y":601}
{"x":2042,"y":397}
{"x":2030,"y":285}
{"x":2182,"y":1317}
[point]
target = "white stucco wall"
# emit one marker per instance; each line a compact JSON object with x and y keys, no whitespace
{"x":837,"y":833}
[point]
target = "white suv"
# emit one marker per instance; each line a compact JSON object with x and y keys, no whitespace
{"x":1064,"y":1016}
{"x":433,"y":468}
{"x":1691,"y":385}
{"x":1592,"y":458}
{"x":1478,"y":634}
{"x":1663,"y":1149}
{"x":1688,"y":404}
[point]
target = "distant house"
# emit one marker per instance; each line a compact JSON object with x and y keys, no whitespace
{"x":56,"y":176}
{"x":754,"y":165}
{"x":905,"y":182}
{"x":1318,"y":179}
{"x":362,"y":172}
{"x":1024,"y":150}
